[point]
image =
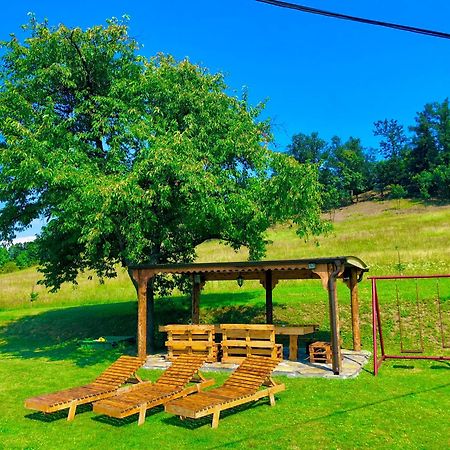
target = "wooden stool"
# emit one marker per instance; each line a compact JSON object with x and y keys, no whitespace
{"x":320,"y":352}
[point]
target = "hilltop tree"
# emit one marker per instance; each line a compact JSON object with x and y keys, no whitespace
{"x":429,"y":163}
{"x":134,"y":160}
{"x":344,"y":167}
{"x":307,"y":148}
{"x":392,"y":170}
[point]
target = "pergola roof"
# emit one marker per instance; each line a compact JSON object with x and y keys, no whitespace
{"x":282,"y":269}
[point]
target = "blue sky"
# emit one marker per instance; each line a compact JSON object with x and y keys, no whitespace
{"x":317,"y":73}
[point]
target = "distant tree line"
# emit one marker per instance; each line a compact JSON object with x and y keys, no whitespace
{"x":414,"y":164}
{"x":18,"y":256}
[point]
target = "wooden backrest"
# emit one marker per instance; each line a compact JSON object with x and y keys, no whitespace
{"x":190,"y":339}
{"x":181,"y":371}
{"x":251,"y":373}
{"x":241,"y":340}
{"x":120,"y":371}
{"x":254,"y":332}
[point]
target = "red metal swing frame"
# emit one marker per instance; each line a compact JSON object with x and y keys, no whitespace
{"x":377,"y":331}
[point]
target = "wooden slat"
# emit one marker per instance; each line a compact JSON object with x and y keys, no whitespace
{"x":237,"y":326}
{"x":181,"y":328}
{"x":251,"y":344}
{"x":193,"y":345}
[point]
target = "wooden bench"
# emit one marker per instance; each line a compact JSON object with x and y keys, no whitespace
{"x":242,"y":340}
{"x":190,"y":340}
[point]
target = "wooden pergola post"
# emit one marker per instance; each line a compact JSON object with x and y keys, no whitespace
{"x":334,"y":320}
{"x":269,"y":301}
{"x":355,"y":310}
{"x":151,"y":343}
{"x":196,"y":289}
{"x":142,"y":316}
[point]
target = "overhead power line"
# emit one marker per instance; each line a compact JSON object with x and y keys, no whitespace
{"x":379,"y":23}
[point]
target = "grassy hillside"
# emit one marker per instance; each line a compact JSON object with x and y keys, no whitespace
{"x":374,"y":231}
{"x":377,"y":232}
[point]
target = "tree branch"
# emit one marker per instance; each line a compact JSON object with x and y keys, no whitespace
{"x":88,"y":78}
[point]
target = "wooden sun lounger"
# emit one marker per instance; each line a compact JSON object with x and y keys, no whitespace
{"x":170,"y":385}
{"x":243,"y":386}
{"x":103,"y":386}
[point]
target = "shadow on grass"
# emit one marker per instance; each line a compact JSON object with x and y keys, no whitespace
{"x":441,"y":365}
{"x":56,"y":334}
{"x":130,"y":420}
{"x":193,"y":424}
{"x":403,"y":366}
{"x":57,"y":415}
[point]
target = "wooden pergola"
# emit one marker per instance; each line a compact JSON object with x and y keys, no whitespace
{"x":347,"y":268}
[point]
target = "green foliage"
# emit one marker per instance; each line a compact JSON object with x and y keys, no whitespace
{"x":344,"y":167}
{"x":397,"y":191}
{"x":33,"y":295}
{"x":4,"y":256}
{"x":420,"y":163}
{"x":18,"y":257}
{"x":430,"y":151}
{"x":308,"y":148}
{"x":394,"y":140}
{"x":9,"y":267}
{"x":393,"y":169}
{"x":134,"y":160}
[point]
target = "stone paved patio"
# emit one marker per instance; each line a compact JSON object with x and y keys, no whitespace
{"x":352,"y":364}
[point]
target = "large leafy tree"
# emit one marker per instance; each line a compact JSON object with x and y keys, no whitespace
{"x":134,"y":160}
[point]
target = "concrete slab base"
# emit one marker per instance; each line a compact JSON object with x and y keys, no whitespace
{"x":352,"y":364}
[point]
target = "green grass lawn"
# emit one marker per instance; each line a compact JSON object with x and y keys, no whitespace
{"x":406,"y":406}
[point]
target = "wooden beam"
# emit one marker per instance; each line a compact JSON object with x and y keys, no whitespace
{"x":322,"y":271}
{"x":269,"y":303}
{"x":142,"y":317}
{"x":355,"y":309}
{"x":334,"y":321}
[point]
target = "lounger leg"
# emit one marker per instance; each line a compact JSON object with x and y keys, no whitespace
{"x":215,"y":419}
{"x":142,"y":411}
{"x":72,"y":410}
{"x":272,"y":399}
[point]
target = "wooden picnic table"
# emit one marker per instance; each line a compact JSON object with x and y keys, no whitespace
{"x":294,"y":331}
